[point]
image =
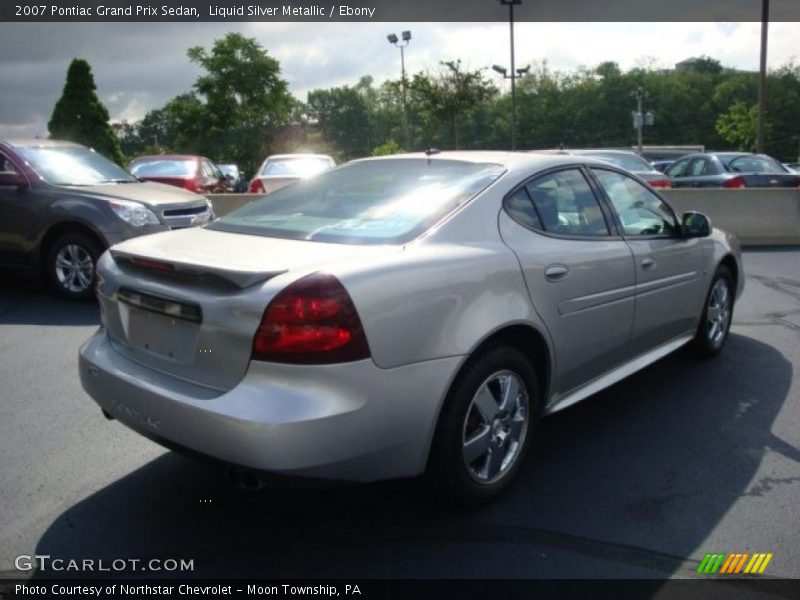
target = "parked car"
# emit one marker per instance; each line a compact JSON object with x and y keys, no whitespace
{"x":281,"y":170}
{"x":662,"y":165}
{"x":730,"y":170}
{"x":630,"y":161}
{"x":62,"y":204}
{"x":194,"y":173}
{"x":235,"y":177}
{"x":405,"y":314}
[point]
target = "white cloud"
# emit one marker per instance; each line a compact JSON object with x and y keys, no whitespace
{"x":139,"y":66}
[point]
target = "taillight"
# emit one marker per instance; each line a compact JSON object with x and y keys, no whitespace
{"x":191,"y":185}
{"x":735,"y":182}
{"x":313,"y":321}
{"x":152,"y":264}
{"x":256,"y":187}
{"x":661,"y":183}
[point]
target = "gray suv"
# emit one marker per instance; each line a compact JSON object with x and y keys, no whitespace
{"x":62,"y":205}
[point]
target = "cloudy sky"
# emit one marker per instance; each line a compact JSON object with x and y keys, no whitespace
{"x":139,"y":66}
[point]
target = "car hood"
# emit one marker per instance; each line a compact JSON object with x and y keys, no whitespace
{"x":146,"y":192}
{"x":240,"y":258}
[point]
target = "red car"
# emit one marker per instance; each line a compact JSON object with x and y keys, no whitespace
{"x":195,"y":173}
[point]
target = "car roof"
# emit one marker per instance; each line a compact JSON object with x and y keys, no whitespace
{"x":298,"y":156}
{"x":169,"y":157}
{"x":512,"y":161}
{"x":581,"y":151}
{"x":35,"y":142}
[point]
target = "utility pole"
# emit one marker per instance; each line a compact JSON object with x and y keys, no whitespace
{"x":762,"y":77}
{"x":638,"y":93}
{"x":511,"y":4}
{"x":394,"y":40}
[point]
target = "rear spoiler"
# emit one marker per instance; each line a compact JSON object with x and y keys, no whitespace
{"x":241,"y":279}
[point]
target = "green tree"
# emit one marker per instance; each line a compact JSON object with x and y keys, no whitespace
{"x":447,"y":94}
{"x":245,"y":102}
{"x":342,"y":115}
{"x":739,"y":125}
{"x":80,"y":117}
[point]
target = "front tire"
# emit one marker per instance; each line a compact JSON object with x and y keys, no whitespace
{"x":715,"y":323}
{"x":70,"y":265}
{"x":485,"y":427}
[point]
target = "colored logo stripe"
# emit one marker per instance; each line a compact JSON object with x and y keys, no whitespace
{"x":734,"y":563}
{"x":711,"y":563}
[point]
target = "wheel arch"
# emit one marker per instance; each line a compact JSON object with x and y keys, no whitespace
{"x":730,"y":262}
{"x":522,"y":336}
{"x":62,"y":228}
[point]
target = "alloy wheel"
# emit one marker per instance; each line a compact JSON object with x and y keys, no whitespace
{"x":495,"y":427}
{"x":718,"y":313}
{"x":74,"y":268}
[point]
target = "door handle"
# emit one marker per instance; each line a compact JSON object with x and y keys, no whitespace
{"x":556,"y":272}
{"x":648,"y":263}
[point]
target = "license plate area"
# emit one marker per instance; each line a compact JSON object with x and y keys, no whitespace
{"x":159,"y":326}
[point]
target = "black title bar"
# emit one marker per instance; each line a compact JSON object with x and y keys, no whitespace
{"x":395,"y":10}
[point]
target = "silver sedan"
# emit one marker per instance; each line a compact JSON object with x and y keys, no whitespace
{"x":404,"y":315}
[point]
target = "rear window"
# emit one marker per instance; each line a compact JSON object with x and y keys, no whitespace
{"x":295,"y":167}
{"x":624,"y":161}
{"x":164,"y":167}
{"x":387,"y":201}
{"x":755,"y":164}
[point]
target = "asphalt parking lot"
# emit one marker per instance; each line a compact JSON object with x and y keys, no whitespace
{"x":641,"y":480}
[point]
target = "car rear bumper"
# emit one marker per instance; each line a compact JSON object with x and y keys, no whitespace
{"x":351,"y":421}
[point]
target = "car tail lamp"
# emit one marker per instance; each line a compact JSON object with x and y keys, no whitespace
{"x":312,"y":321}
{"x":256,"y":187}
{"x":191,"y":185}
{"x":735,"y":182}
{"x":661,"y":183}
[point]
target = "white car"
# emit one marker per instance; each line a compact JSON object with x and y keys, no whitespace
{"x":280,"y":170}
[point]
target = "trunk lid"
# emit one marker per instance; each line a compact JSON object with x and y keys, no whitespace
{"x":188,"y":302}
{"x":771,"y":179}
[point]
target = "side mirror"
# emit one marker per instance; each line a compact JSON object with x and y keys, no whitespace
{"x":12,"y":179}
{"x":228,"y":177}
{"x":695,"y":224}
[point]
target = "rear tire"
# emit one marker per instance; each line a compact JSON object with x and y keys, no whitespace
{"x":715,"y":323}
{"x":71,"y":264}
{"x":485,"y":427}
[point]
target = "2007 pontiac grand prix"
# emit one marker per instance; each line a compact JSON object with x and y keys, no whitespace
{"x":404,"y":315}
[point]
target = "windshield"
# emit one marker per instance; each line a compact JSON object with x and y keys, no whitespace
{"x":164,"y":167}
{"x":628,"y":162}
{"x":231,"y":170}
{"x":73,"y":165}
{"x":388,"y":201}
{"x":295,"y":167}
{"x":755,"y":164}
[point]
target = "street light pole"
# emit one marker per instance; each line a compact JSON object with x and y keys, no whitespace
{"x":762,"y":77}
{"x":406,"y":35}
{"x":511,"y":4}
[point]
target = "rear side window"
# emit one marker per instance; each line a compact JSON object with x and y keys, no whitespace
{"x":566,"y":205}
{"x":520,"y":208}
{"x":639,"y":209}
{"x":699,"y":166}
{"x":677,"y":169}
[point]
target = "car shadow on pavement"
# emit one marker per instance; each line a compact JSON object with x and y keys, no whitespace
{"x":626,"y":484}
{"x":26,"y":300}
